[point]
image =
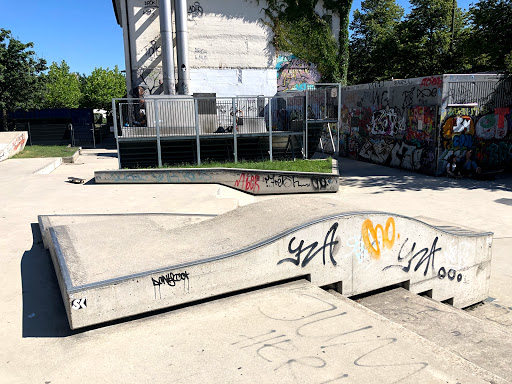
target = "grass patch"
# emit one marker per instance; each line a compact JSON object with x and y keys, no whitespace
{"x":31,"y":151}
{"x":322,"y":166}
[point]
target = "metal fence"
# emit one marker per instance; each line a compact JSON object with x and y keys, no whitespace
{"x":186,"y":117}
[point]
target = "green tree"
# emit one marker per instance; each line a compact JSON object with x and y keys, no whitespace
{"x":300,"y":30}
{"x":20,"y":81}
{"x":374,"y":43}
{"x":62,"y":88}
{"x":101,"y":86}
{"x":426,"y":39}
{"x":489,"y":41}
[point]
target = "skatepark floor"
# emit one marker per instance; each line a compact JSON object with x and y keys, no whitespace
{"x":38,"y":345}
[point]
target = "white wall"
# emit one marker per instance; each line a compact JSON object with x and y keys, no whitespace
{"x":234,"y":82}
{"x":224,"y":37}
{"x":229,"y":34}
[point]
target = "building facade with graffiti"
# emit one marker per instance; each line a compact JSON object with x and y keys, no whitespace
{"x":229,"y":49}
{"x":416,"y":124}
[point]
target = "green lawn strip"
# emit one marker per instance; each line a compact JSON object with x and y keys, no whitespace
{"x":321,"y":166}
{"x":32,"y":151}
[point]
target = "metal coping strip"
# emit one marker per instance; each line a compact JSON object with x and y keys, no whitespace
{"x":272,"y":239}
{"x":62,"y":261}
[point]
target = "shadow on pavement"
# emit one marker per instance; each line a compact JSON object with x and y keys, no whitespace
{"x":43,"y":311}
{"x":367,"y":175}
{"x":107,"y":154}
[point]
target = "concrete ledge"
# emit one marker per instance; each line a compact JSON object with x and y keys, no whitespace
{"x":55,"y":163}
{"x":256,"y":182}
{"x":71,"y":159}
{"x":115,"y":269}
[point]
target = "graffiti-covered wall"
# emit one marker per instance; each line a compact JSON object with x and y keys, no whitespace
{"x":393,"y":123}
{"x":476,"y":114}
{"x":294,"y":73}
{"x":417,"y":124}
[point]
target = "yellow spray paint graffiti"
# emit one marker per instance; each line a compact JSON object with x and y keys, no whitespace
{"x":371,"y":238}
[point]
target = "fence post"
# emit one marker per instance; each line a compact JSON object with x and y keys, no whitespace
{"x":235,"y":143}
{"x":197,"y":132}
{"x":306,"y":139}
{"x":93,"y":138}
{"x":339,"y":118}
{"x":114,"y":116}
{"x":70,"y":126}
{"x":29,"y":134}
{"x":270,"y":127}
{"x":121,"y":114}
{"x":437,"y":144}
{"x":158,"y":148}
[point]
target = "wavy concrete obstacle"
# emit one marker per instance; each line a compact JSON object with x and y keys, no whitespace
{"x":11,"y":143}
{"x":116,"y":268}
{"x":256,"y":182}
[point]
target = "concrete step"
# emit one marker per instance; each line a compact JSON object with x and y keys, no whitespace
{"x":113,"y":268}
{"x":481,"y":342}
{"x":291,"y":333}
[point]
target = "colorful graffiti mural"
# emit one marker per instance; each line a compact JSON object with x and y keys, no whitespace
{"x":294,"y":73}
{"x":410,"y":124}
{"x":487,"y":134}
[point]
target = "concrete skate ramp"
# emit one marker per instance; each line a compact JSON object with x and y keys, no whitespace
{"x":256,"y":182}
{"x":11,"y":143}
{"x":117,"y":268}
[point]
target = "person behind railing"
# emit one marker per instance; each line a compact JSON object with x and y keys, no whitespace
{"x":140,"y":107}
{"x":143,"y":120}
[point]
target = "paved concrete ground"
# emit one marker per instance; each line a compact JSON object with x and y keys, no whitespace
{"x":33,"y":320}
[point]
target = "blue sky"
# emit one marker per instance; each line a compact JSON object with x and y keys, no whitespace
{"x":84,"y":33}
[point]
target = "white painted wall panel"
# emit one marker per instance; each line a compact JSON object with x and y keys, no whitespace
{"x":225,"y":82}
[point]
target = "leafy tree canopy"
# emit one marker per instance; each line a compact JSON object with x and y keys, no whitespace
{"x":101,"y":86}
{"x":426,"y":45}
{"x":374,"y":45}
{"x":489,"y":41}
{"x":62,"y":88}
{"x":20,"y":83}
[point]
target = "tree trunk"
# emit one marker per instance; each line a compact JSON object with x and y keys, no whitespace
{"x":4,"y":118}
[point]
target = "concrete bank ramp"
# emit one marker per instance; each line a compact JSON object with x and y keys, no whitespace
{"x":11,"y":143}
{"x":117,"y":268}
{"x":483,"y":343}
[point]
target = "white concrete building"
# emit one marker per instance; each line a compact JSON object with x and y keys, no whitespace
{"x":229,"y":48}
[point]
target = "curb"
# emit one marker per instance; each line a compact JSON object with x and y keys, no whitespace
{"x":49,"y":168}
{"x":72,"y":158}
